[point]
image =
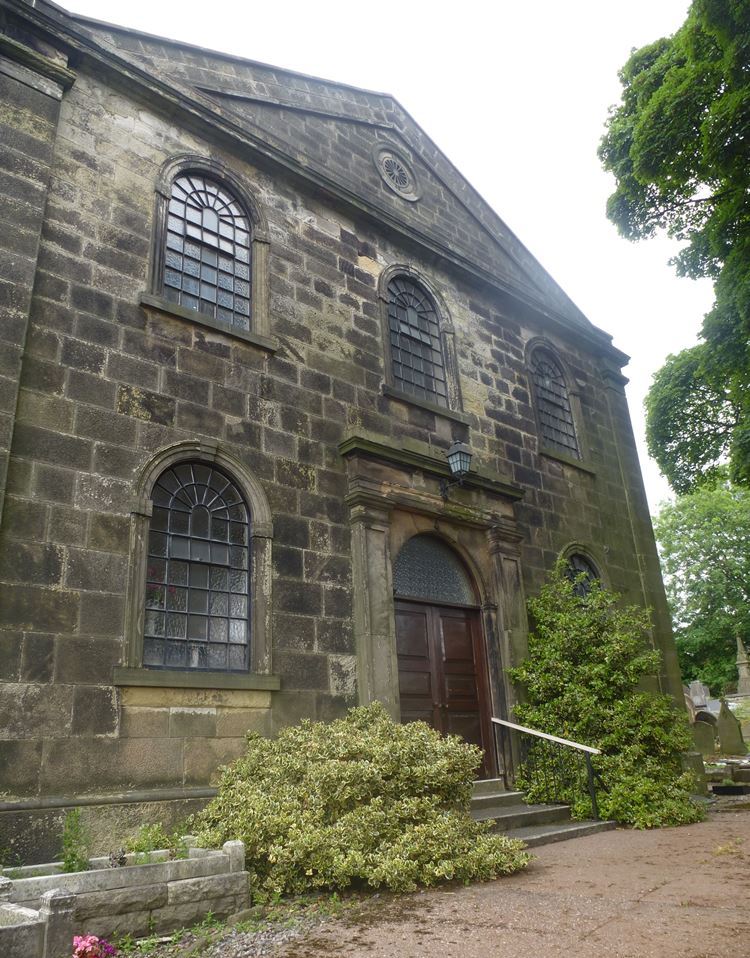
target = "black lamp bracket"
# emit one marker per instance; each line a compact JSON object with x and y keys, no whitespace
{"x":445,"y":485}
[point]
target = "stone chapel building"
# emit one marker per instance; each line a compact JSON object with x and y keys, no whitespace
{"x":244,"y":314}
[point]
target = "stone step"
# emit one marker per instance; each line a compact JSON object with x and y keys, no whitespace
{"x":521,"y":815}
{"x":533,"y":835}
{"x":488,"y":786}
{"x":533,"y":824}
{"x":496,"y":800}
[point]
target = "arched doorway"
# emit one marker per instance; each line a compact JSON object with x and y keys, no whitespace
{"x":442,"y":671}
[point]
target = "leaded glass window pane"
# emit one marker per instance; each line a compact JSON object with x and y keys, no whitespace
{"x":416,"y":349}
{"x":582,"y":572}
{"x":553,"y":405}
{"x":207,"y":256}
{"x":197,"y":584}
{"x":427,"y":568}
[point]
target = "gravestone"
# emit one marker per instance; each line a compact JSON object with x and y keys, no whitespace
{"x":743,"y":669}
{"x":699,"y":693}
{"x":729,"y":732}
{"x":705,"y":741}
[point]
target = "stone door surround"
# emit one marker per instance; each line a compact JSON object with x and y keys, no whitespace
{"x":393,"y":495}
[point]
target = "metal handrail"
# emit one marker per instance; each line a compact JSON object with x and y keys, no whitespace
{"x":551,"y":738}
{"x":587,"y":750}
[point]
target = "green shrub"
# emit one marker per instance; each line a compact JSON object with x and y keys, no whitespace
{"x":362,"y":800}
{"x":74,"y":843}
{"x":152,"y":838}
{"x":588,"y":662}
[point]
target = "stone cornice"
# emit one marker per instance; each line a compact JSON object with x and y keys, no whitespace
{"x":36,"y":62}
{"x":412,"y":459}
{"x":371,"y":502}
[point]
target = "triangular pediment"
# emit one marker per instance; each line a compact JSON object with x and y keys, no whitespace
{"x":334,"y":130}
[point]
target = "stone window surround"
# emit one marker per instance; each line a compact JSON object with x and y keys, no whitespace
{"x":260,"y":321}
{"x":574,"y":397}
{"x":447,"y":337}
{"x":261,"y":535}
{"x":591,"y":556}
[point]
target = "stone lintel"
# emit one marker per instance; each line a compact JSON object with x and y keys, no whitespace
{"x":376,"y":448}
{"x":372,"y":502}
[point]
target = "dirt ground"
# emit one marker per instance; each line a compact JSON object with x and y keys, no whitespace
{"x":626,"y":894}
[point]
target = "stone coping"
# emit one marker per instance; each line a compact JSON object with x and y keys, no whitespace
{"x":12,"y":915}
{"x":27,"y":891}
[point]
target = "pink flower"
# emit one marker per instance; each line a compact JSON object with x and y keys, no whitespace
{"x":89,"y":946}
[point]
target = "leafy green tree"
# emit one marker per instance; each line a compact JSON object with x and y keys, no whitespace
{"x":690,"y":420}
{"x":678,"y":145}
{"x":583,"y":680}
{"x":704,"y":540}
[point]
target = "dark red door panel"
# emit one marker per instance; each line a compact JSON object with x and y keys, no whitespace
{"x":442,"y":677}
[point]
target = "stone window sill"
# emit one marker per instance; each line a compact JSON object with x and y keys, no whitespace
{"x":410,"y":400}
{"x":161,"y":305}
{"x":177,"y":679}
{"x":550,"y":453}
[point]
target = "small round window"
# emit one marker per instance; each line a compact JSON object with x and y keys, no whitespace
{"x":397,"y":172}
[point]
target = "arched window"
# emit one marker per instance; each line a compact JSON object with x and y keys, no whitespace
{"x":582,"y":571}
{"x":417,"y":358}
{"x":427,"y":568}
{"x":197,"y":572}
{"x":556,"y":423}
{"x":207,"y":257}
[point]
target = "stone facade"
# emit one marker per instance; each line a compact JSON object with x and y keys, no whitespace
{"x":103,"y":382}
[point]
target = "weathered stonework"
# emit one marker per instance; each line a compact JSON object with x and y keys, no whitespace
{"x":102,"y":379}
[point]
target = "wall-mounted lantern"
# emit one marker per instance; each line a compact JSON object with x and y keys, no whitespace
{"x":459,"y":459}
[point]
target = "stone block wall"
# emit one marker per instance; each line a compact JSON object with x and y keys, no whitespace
{"x":107,"y":383}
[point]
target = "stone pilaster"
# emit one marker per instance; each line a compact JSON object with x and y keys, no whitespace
{"x":31,"y":89}
{"x":374,"y":627}
{"x":511,"y":631}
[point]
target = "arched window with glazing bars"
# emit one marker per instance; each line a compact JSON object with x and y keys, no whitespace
{"x":417,"y":359}
{"x":207,"y":259}
{"x":198,"y":572}
{"x":556,"y":423}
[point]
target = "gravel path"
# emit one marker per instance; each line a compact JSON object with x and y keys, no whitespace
{"x":620,"y":894}
{"x":625,"y":894}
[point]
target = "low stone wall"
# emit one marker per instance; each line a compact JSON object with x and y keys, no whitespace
{"x":44,"y":911}
{"x":21,"y":932}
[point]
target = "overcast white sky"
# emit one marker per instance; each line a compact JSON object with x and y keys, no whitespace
{"x":516,"y":94}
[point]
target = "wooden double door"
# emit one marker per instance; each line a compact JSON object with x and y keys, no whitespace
{"x":442,"y":673}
